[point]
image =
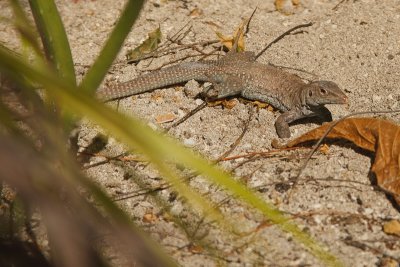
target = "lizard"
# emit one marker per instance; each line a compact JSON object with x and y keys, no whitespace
{"x":239,"y":74}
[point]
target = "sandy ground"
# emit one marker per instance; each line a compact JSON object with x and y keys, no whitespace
{"x":356,"y":45}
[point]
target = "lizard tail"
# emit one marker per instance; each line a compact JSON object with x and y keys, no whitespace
{"x":156,"y":79}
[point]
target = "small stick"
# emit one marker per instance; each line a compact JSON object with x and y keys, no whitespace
{"x":296,"y":69}
{"x":246,"y":29}
{"x":338,"y":4}
{"x":177,"y":36}
{"x":188,"y":115}
{"x":261,"y":154}
{"x":239,"y":139}
{"x":283,"y":35}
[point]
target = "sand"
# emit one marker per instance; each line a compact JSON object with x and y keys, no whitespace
{"x":336,"y":201}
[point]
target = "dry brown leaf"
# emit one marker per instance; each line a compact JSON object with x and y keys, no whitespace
{"x":157,"y":96}
{"x":195,"y":248}
{"x":389,"y":262}
{"x":392,"y":227}
{"x":167,"y":117}
{"x":376,"y":135}
{"x":196,"y":12}
{"x":229,"y":104}
{"x":324,"y":149}
{"x":149,"y":218}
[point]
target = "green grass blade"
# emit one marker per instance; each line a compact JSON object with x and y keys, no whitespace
{"x":160,"y":149}
{"x":26,"y":31}
{"x":110,"y":50}
{"x":54,"y":38}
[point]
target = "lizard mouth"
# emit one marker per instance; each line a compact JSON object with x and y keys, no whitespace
{"x":341,"y":99}
{"x":344,"y":100}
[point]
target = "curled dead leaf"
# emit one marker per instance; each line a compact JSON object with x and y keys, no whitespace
{"x":376,"y":135}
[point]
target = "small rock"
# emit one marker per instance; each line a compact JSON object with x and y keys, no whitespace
{"x":376,"y":98}
{"x":181,"y":113}
{"x":198,"y":101}
{"x":368,"y":211}
{"x":192,"y":89}
{"x":189,"y":142}
{"x":152,"y":126}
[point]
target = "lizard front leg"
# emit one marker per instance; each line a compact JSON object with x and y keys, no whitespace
{"x":282,"y":122}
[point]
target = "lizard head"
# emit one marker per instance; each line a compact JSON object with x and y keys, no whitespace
{"x":324,"y":92}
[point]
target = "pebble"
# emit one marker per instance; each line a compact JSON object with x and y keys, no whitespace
{"x":152,"y":125}
{"x":376,"y":98}
{"x":189,"y":142}
{"x":198,"y":101}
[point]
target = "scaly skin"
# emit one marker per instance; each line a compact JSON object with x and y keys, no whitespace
{"x":238,"y":74}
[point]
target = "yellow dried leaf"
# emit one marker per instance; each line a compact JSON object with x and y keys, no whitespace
{"x":196,"y":12}
{"x":260,"y":104}
{"x":214,"y":103}
{"x":228,"y":41}
{"x":324,"y":149}
{"x":389,"y":262}
{"x":392,"y":227}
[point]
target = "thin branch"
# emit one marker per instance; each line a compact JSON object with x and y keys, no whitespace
{"x":283,"y":35}
{"x":239,"y":139}
{"x":295,"y":69}
{"x":338,"y":4}
{"x":188,"y":115}
{"x":239,"y":33}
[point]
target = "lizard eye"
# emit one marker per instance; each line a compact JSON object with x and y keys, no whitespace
{"x":323,"y":91}
{"x":310,"y":93}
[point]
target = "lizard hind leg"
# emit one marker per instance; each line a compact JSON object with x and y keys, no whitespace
{"x":230,"y":86}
